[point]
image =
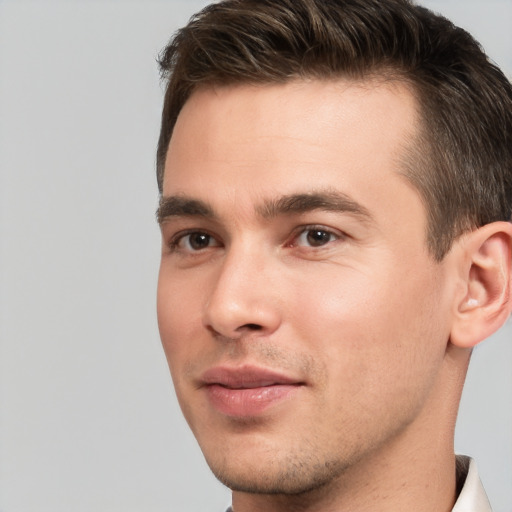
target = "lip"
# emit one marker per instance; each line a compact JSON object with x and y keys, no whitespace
{"x":248,"y":390}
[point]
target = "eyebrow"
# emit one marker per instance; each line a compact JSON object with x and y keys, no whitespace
{"x":180,"y":206}
{"x":332,"y":201}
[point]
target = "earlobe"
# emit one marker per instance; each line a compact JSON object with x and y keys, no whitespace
{"x":487,"y":274}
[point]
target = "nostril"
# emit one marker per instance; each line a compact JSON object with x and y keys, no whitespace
{"x":252,"y":327}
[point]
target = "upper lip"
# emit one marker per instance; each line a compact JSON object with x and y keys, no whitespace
{"x":245,"y":377}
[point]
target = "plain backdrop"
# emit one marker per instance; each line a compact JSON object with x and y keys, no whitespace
{"x":88,"y":418}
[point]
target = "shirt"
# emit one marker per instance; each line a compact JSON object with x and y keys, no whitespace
{"x":472,"y":497}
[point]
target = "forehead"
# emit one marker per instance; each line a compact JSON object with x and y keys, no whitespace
{"x":253,"y":142}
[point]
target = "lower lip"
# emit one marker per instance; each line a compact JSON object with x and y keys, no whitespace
{"x":248,"y":402}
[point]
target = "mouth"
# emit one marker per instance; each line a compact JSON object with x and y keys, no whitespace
{"x":247,"y":391}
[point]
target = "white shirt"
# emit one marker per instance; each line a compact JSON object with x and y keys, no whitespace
{"x":472,"y":497}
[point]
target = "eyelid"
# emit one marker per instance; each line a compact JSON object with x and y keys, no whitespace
{"x":339,"y":235}
{"x":176,"y":238}
{"x":173,"y":242}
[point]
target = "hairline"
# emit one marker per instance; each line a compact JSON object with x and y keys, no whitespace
{"x":379,"y":74}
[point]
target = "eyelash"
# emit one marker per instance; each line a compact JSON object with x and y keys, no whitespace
{"x":303,"y":230}
{"x":178,"y":238}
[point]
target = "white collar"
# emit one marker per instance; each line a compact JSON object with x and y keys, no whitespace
{"x":472,"y":497}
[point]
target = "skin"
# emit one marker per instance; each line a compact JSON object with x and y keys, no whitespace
{"x":345,"y":300}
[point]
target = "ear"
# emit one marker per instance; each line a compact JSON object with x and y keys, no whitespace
{"x":487,"y":274}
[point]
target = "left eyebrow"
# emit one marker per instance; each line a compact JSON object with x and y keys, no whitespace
{"x":332,"y":201}
{"x":178,"y":206}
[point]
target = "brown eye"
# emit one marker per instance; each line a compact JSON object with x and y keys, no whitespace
{"x":198,"y":241}
{"x":315,"y":237}
{"x":194,"y":241}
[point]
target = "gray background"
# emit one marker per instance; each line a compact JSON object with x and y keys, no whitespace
{"x":88,"y":418}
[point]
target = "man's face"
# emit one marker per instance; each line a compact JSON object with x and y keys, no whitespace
{"x":304,"y":321}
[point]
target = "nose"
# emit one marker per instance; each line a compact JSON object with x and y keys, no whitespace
{"x":243,"y":299}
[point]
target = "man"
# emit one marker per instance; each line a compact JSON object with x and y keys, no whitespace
{"x":336,"y":198}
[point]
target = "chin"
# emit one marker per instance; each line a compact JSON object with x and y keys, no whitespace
{"x":276,"y":475}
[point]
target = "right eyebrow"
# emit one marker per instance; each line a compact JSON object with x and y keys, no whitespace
{"x":326,"y":200}
{"x":182,"y":206}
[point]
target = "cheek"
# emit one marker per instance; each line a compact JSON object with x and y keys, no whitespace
{"x":178,"y":321}
{"x":374,"y":329}
{"x":178,"y":313}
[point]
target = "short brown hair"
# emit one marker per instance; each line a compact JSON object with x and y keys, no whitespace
{"x":461,"y":163}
